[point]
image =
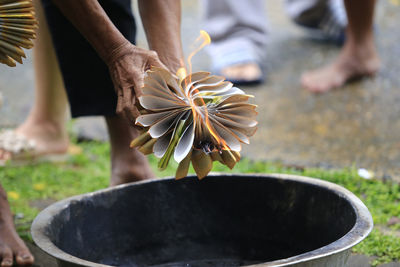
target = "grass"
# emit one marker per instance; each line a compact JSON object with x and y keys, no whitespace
{"x":89,"y":170}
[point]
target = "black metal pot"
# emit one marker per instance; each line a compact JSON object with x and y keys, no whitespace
{"x":223,"y":220}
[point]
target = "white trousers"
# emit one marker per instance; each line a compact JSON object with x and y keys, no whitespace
{"x":239,"y":30}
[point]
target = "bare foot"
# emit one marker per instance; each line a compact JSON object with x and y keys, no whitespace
{"x":11,"y":245}
{"x":242,"y":72}
{"x":353,"y":62}
{"x":49,"y":138}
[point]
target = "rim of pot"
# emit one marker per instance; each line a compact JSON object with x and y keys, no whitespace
{"x":362,"y":227}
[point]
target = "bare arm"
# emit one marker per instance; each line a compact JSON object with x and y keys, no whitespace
{"x":162,"y":23}
{"x":128,"y":63}
{"x":90,"y":19}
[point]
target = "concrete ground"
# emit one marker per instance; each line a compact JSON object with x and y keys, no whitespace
{"x":357,"y":125}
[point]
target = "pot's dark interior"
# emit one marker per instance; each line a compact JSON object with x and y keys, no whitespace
{"x":225,"y":220}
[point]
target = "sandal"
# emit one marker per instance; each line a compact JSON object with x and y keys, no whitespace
{"x":257,"y":79}
{"x":24,"y":150}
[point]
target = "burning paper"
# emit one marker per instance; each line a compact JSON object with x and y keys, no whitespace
{"x":197,"y":118}
{"x":17,"y":29}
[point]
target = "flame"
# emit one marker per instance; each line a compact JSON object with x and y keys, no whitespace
{"x":206,"y":40}
{"x":182,"y":74}
{"x":214,"y":134}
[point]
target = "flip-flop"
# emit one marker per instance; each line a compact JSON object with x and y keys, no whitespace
{"x":23,"y":150}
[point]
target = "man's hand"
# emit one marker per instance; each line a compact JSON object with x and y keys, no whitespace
{"x":128,"y":65}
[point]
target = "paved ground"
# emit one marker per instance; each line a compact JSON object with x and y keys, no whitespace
{"x":357,"y":124}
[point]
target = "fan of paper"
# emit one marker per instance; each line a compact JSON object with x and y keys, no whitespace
{"x":17,"y":29}
{"x":198,"y":119}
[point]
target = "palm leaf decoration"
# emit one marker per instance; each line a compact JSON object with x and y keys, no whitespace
{"x":198,"y":119}
{"x":17,"y":29}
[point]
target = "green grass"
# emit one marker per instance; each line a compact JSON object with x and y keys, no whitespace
{"x":89,"y":171}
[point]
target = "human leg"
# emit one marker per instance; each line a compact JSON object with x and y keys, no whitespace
{"x":238,"y":39}
{"x":357,"y":58}
{"x":90,"y":89}
{"x":127,"y":164}
{"x":11,"y":244}
{"x":45,"y":124}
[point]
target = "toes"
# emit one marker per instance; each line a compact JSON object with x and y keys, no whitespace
{"x":6,"y":256}
{"x":22,"y":254}
{"x":251,"y":71}
{"x":313,"y":85}
{"x":307,"y":83}
{"x":24,"y":257}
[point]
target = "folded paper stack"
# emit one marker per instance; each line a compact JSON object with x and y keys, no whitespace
{"x":200,"y":118}
{"x":17,"y":29}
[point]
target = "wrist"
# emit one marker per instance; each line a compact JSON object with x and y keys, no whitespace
{"x":172,"y":63}
{"x":118,"y":52}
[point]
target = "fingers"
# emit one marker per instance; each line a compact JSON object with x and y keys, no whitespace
{"x":6,"y":256}
{"x":128,"y":78}
{"x":120,"y":103}
{"x":138,"y":83}
{"x":128,"y":105}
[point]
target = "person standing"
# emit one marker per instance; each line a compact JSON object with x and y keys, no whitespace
{"x":239,"y":33}
{"x":103,"y":72}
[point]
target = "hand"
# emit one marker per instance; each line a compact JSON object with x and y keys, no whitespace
{"x":128,"y":65}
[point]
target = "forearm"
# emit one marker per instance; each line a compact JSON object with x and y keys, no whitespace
{"x":162,"y":22}
{"x":90,"y":19}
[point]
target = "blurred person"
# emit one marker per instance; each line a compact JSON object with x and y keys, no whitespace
{"x":239,"y":32}
{"x":97,"y":59}
{"x":103,"y":71}
{"x":358,"y":57}
{"x":43,"y":133}
{"x":324,"y":20}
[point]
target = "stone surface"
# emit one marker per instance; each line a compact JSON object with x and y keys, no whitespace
{"x":355,"y":125}
{"x":41,"y":258}
{"x":392,"y":264}
{"x":356,"y":260}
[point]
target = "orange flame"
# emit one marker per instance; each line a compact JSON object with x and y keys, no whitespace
{"x":182,"y":74}
{"x":206,"y":40}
